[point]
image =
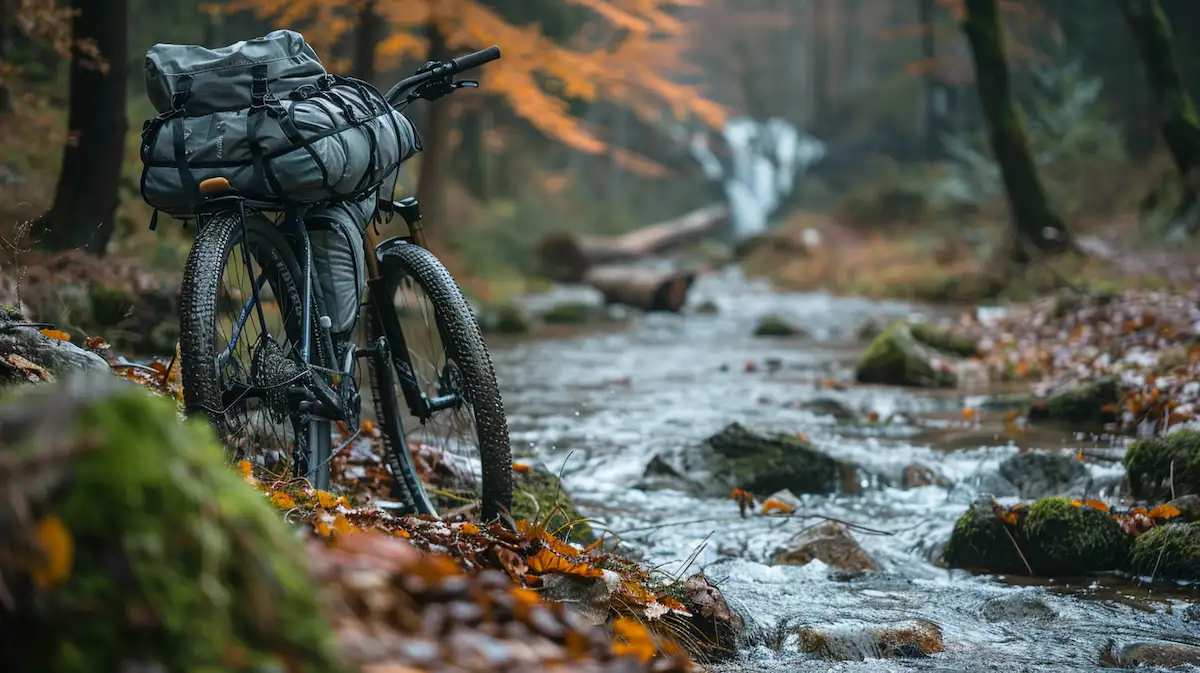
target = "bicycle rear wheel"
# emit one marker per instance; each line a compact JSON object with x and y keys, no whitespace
{"x":444,"y":355}
{"x":239,"y":356}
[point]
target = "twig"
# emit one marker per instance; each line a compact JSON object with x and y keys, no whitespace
{"x":1018,"y":548}
{"x":1172,"y":479}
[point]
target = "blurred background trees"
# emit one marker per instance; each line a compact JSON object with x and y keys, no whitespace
{"x":590,"y":122}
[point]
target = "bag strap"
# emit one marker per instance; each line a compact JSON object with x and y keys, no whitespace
{"x":178,"y":109}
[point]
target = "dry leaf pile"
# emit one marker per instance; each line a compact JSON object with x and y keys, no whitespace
{"x":1150,"y":341}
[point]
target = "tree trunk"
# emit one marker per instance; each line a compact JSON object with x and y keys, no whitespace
{"x":567,"y":257}
{"x":1174,"y":109}
{"x":435,"y":137}
{"x":86,"y":197}
{"x":1035,"y":223}
{"x":368,"y":31}
{"x":929,"y":76}
{"x":7,"y":10}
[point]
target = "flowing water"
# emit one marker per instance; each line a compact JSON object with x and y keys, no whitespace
{"x":611,"y":401}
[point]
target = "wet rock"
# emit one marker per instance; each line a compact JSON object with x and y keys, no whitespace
{"x":775,"y":326}
{"x":1039,"y":474}
{"x":720,"y":626}
{"x":707,"y":307}
{"x":981,"y":541}
{"x":868,"y":331}
{"x":505,"y":319}
{"x":918,"y":639}
{"x":760,"y":463}
{"x":1170,"y":551}
{"x":897,"y":358}
{"x":1092,"y":403}
{"x":1161,"y":466}
{"x":1061,"y":539}
{"x":27,"y":355}
{"x":1021,"y":607}
{"x":1150,"y":655}
{"x":918,"y":475}
{"x":155,"y":546}
{"x":1188,"y":506}
{"x":830,"y":543}
{"x":661,"y":475}
{"x":1191,"y":614}
{"x":828,"y":406}
{"x":944,"y":339}
{"x":538,"y":495}
{"x":572,"y":313}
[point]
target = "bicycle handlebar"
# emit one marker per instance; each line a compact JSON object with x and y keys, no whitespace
{"x":442,"y":71}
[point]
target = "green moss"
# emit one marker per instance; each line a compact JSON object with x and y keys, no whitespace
{"x":944,"y":339}
{"x":1061,"y":539}
{"x":553,"y":504}
{"x":109,"y":305}
{"x":895,"y":357}
{"x":508,"y":319}
{"x":979,"y":542}
{"x":1170,"y":551}
{"x":571,"y":313}
{"x":1091,"y":403}
{"x":774,"y":326}
{"x":11,"y":312}
{"x":177,"y":561}
{"x":1152,"y":465}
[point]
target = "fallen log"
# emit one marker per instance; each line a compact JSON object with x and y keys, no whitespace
{"x":567,"y":257}
{"x":645,"y":288}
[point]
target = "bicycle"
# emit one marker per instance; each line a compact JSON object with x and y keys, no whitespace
{"x":312,"y":382}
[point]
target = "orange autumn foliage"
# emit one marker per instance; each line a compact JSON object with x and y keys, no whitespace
{"x":631,"y":52}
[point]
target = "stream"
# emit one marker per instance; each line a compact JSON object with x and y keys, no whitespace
{"x":598,"y":406}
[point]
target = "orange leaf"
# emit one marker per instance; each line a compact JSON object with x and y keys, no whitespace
{"x":521,"y":467}
{"x":1096,"y":504}
{"x":557,"y":545}
{"x":58,"y":552}
{"x":546,"y":561}
{"x":341,"y":525}
{"x":773,"y":505}
{"x":96,"y":344}
{"x":327,"y":500}
{"x":468,"y":528}
{"x":1164,"y":512}
{"x":631,"y":638}
{"x":282,"y":500}
{"x":56,"y":334}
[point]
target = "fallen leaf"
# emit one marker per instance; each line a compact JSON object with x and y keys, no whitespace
{"x":327,"y":500}
{"x":32,"y":371}
{"x":774,"y":505}
{"x":1164,"y":512}
{"x":546,"y":561}
{"x":56,"y":334}
{"x":521,"y":467}
{"x":58,"y":552}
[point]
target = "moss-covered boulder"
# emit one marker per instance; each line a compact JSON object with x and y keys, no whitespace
{"x":1170,"y":551}
{"x":126,"y":542}
{"x":897,"y":358}
{"x":539,"y":495}
{"x":28,"y":355}
{"x":1092,"y":403}
{"x":944,"y":339}
{"x":775,"y":326}
{"x":1162,"y":465}
{"x":982,"y":542}
{"x":506,"y":319}
{"x":1059,"y":538}
{"x":766,"y":463}
{"x":1052,"y":536}
{"x":572,"y":313}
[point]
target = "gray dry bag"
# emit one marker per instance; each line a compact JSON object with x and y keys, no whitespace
{"x":265,"y":115}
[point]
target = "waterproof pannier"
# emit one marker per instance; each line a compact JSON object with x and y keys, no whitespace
{"x":265,"y":115}
{"x":336,"y":231}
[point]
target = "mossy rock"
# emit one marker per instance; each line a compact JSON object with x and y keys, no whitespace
{"x":506,"y":319}
{"x":1059,"y":539}
{"x":1092,"y":403}
{"x":177,"y":563}
{"x":1152,"y":464}
{"x":897,"y":358}
{"x":775,"y":326}
{"x":109,"y":305}
{"x":57,"y":358}
{"x":1170,"y":551}
{"x":554,"y":505}
{"x":570,"y":313}
{"x":980,"y":542}
{"x":944,"y":339}
{"x":766,"y":463}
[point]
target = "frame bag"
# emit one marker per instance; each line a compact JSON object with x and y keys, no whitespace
{"x":265,"y":115}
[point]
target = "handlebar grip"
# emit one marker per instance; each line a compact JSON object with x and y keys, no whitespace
{"x":475,"y":60}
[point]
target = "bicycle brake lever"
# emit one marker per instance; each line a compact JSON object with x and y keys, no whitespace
{"x":469,"y":83}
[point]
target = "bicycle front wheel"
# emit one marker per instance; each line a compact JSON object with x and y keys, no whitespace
{"x":240,"y":329}
{"x":438,"y":349}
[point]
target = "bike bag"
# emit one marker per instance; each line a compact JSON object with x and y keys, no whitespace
{"x":265,"y":115}
{"x":336,"y":232}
